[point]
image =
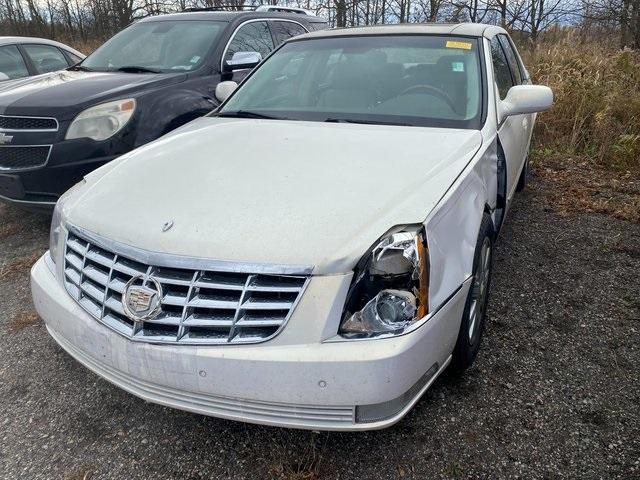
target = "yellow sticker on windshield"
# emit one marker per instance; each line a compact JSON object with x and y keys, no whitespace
{"x":462,"y":45}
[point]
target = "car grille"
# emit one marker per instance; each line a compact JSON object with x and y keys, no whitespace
{"x":197,"y":306}
{"x":27,"y":123}
{"x":23,"y":157}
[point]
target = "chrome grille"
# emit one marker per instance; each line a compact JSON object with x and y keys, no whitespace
{"x":197,"y":306}
{"x":28,"y":123}
{"x":18,"y":157}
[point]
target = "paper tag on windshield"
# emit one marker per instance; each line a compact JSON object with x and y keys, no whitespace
{"x":462,"y":45}
{"x":457,"y":67}
{"x":195,"y":59}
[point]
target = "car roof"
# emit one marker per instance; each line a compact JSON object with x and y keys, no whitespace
{"x":457,"y":29}
{"x":41,"y":41}
{"x":224,"y":16}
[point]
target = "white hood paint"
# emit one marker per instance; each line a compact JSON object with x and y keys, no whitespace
{"x":265,"y":191}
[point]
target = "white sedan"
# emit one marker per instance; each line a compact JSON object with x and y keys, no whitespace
{"x":315,"y":252}
{"x":22,"y":57}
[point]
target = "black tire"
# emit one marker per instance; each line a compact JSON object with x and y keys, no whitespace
{"x":468,"y":344}
{"x":522,"y":180}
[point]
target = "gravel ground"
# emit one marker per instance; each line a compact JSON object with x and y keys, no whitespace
{"x":555,"y":391}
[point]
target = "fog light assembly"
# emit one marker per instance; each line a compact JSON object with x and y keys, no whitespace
{"x":379,"y":412}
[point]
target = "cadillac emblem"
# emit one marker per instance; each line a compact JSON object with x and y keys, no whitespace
{"x":141,"y":298}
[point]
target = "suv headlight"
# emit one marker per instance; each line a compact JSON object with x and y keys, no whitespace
{"x":56,"y":222}
{"x":390,"y":290}
{"x":102,"y":121}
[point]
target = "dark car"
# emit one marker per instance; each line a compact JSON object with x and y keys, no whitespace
{"x":154,"y":76}
{"x":27,"y":56}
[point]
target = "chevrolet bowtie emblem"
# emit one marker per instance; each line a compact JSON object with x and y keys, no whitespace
{"x":4,"y":138}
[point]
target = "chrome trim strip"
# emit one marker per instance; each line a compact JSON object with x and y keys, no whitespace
{"x":26,"y":169}
{"x":224,"y":52}
{"x":169,"y":260}
{"x":35,"y":130}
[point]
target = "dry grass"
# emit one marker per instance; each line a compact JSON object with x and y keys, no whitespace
{"x":80,"y":473}
{"x":578,"y":186}
{"x":299,"y":463}
{"x":22,"y":320}
{"x":588,"y":144}
{"x":19,"y":266}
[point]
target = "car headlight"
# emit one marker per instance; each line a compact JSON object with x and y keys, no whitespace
{"x":390,"y":290}
{"x":102,"y":121}
{"x":56,"y":222}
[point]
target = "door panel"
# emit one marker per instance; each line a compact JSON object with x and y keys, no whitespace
{"x":518,"y":73}
{"x":513,"y":130}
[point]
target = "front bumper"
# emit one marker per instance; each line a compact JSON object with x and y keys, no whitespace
{"x":312,"y":385}
{"x":40,"y":188}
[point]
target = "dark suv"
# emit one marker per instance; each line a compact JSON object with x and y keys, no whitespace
{"x":155,"y":75}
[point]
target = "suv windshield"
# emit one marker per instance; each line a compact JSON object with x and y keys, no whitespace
{"x":159,"y":46}
{"x":393,"y":79}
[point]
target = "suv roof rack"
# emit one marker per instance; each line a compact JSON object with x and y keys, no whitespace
{"x":278,"y":8}
{"x":250,"y":8}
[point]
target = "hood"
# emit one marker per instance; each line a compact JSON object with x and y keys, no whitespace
{"x":278,"y":192}
{"x":64,"y":94}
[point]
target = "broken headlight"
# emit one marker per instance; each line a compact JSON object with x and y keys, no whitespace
{"x":390,"y":289}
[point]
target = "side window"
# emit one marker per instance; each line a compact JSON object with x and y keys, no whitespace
{"x":286,"y":30}
{"x":11,"y":63}
{"x":251,"y":37}
{"x":318,"y":26}
{"x":46,"y":58}
{"x":500,"y":68}
{"x":73,"y":57}
{"x":512,"y":58}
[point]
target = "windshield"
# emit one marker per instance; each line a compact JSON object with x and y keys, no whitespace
{"x":161,"y":46}
{"x":394,"y":79}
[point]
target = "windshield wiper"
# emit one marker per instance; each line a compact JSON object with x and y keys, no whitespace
{"x":366,"y":122}
{"x":136,"y":69}
{"x":248,"y":114}
{"x":81,"y":68}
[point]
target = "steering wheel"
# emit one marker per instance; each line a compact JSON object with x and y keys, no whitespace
{"x":432,"y":91}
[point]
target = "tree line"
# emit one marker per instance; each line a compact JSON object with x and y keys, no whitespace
{"x":93,"y":21}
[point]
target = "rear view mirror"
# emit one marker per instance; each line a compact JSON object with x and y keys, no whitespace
{"x":224,"y":89}
{"x":243,"y":60}
{"x":526,"y":99}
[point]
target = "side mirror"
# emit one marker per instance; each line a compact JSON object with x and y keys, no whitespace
{"x":224,"y":89}
{"x":526,"y":99}
{"x":242,"y":60}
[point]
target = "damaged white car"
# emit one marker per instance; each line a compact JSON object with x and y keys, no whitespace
{"x":317,"y":251}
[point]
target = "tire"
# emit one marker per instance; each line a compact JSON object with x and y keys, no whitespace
{"x":475,"y":310}
{"x":522,"y":180}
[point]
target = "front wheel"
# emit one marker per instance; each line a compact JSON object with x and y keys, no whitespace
{"x":475,"y":310}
